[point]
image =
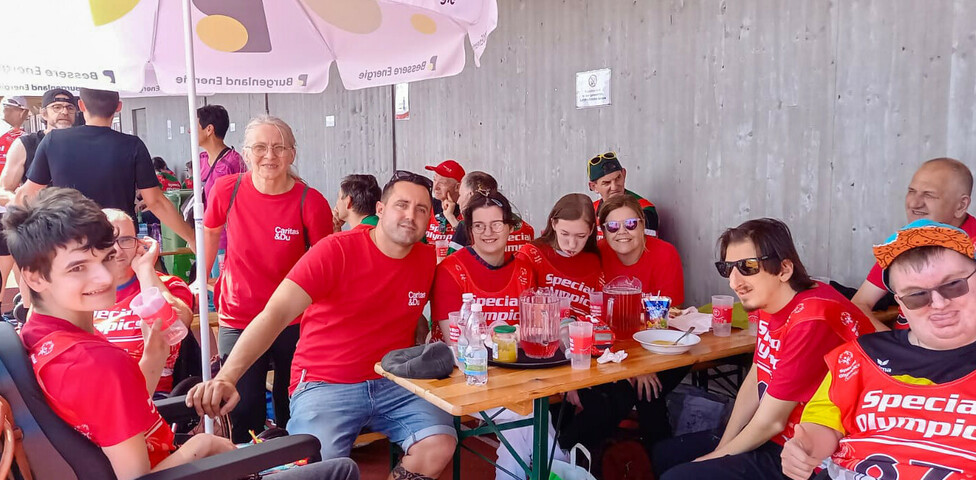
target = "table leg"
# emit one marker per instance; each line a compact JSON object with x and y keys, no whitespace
{"x":457,"y":449}
{"x":540,"y":439}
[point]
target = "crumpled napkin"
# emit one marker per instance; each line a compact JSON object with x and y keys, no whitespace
{"x":691,"y":317}
{"x":608,"y":356}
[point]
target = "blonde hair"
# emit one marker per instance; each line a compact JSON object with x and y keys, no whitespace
{"x":287,"y":134}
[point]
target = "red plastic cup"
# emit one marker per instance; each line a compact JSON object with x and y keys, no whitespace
{"x":722,"y":315}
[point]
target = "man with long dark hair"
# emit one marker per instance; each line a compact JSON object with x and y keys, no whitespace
{"x":800,"y":320}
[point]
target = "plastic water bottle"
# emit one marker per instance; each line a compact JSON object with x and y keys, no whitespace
{"x":460,"y":341}
{"x":476,"y":354}
{"x":152,"y":307}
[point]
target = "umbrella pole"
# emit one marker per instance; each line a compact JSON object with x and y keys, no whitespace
{"x":191,"y":102}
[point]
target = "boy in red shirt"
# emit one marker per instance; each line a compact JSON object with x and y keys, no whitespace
{"x":799,"y":320}
{"x":63,"y":244}
{"x":361,"y":292}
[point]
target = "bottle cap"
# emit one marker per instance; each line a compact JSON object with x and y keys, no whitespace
{"x":476,"y":307}
{"x":467,"y":297}
{"x":505,"y":329}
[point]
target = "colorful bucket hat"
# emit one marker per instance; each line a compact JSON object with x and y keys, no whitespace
{"x":922,"y":233}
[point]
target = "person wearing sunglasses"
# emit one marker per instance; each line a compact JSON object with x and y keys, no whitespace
{"x":359,"y":294}
{"x":134,"y":268}
{"x":271,"y":218}
{"x":480,"y":184}
{"x":940,"y":191}
{"x":607,"y":178}
{"x":565,"y":256}
{"x":627,"y":251}
{"x":900,"y":404}
{"x":800,"y":321}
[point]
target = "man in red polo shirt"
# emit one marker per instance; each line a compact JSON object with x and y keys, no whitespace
{"x":940,"y":191}
{"x":799,"y":320}
{"x":607,"y":178}
{"x":63,"y":244}
{"x":361,"y":292}
{"x":446,"y":211}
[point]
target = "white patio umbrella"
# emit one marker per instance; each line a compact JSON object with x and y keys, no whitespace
{"x":241,"y":46}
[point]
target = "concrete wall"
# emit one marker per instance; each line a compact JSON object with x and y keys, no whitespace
{"x":814,"y":112}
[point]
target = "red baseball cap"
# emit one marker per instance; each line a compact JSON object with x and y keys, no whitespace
{"x":449,"y":169}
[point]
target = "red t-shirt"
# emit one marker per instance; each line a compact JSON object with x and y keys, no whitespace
{"x":364,"y":304}
{"x":875,"y":277}
{"x":576,"y":276}
{"x":122,"y":327}
{"x":264,"y":240}
{"x":497,"y":289}
{"x":658,"y":269}
{"x":94,"y":386}
{"x":899,"y":430}
{"x":792,"y":340}
{"x":6,"y":140}
{"x":524,"y":235}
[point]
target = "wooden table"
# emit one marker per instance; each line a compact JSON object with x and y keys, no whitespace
{"x":527,"y":392}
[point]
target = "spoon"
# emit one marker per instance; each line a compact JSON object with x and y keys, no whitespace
{"x":690,"y":329}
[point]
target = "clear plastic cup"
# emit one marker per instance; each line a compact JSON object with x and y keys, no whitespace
{"x":596,"y":305}
{"x":441,"y":247}
{"x":753,"y":323}
{"x":580,"y":342}
{"x":722,"y":315}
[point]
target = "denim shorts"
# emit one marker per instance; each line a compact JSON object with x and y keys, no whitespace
{"x":337,"y":412}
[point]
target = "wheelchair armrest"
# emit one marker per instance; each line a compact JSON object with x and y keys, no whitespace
{"x":174,"y":409}
{"x":243,"y":461}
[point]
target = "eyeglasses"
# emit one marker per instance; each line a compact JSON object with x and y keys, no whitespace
{"x":948,"y":291}
{"x":601,"y":157}
{"x":496,"y":227}
{"x":261,"y":149}
{"x":59,"y":108}
{"x":746,"y":266}
{"x":613,"y":226}
{"x":127,"y":242}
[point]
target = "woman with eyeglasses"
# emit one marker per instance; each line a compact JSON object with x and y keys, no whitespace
{"x":495,"y":277}
{"x":134,"y":270}
{"x":480,"y":183}
{"x":272,"y":218}
{"x":626,"y":250}
{"x":565,"y":257}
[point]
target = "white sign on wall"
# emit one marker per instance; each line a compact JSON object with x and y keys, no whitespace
{"x":593,"y":88}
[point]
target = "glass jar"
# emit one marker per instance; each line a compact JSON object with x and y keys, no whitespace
{"x":506,"y":348}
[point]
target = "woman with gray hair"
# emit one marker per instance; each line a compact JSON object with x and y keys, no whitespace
{"x":272,"y":218}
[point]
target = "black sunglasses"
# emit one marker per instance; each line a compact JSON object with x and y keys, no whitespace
{"x":948,"y":291}
{"x":613,"y":226}
{"x":408,"y":176}
{"x":746,"y":266}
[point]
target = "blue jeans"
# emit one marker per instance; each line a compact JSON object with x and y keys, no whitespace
{"x":336,"y":412}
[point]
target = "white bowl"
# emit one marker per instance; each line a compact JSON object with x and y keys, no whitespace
{"x":647,"y":337}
